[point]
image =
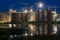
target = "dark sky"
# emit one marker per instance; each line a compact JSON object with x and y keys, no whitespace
{"x":5,"y":4}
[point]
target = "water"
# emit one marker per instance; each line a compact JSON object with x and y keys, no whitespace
{"x":30,"y":30}
{"x":58,"y":28}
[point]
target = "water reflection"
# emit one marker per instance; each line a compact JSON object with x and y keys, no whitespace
{"x":29,"y":30}
{"x":58,"y":28}
{"x":42,"y":29}
{"x":34,"y":29}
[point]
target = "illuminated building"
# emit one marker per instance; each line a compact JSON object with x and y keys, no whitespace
{"x":31,"y":16}
{"x":20,"y":19}
{"x":2,"y":17}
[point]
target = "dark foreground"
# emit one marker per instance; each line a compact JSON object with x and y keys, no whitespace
{"x":5,"y":35}
{"x":46,"y":37}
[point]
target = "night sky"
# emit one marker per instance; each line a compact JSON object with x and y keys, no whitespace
{"x":5,"y":4}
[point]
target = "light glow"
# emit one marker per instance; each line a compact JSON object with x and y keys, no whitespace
{"x":11,"y":36}
{"x":25,"y":10}
{"x":31,"y":10}
{"x":53,"y":12}
{"x":10,"y":25}
{"x":40,"y":5}
{"x":31,"y":34}
{"x":14,"y":25}
{"x":26,"y":34}
{"x":55,"y":15}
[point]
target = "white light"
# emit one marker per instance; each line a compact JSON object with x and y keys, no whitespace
{"x":57,"y":19}
{"x":53,"y":12}
{"x":15,"y":35}
{"x":55,"y":15}
{"x":40,"y":5}
{"x":14,"y":25}
{"x":54,"y":29}
{"x":10,"y":25}
{"x":26,"y":34}
{"x":11,"y":36}
{"x":10,"y":10}
{"x":31,"y":34}
{"x":25,"y":11}
{"x":31,"y":10}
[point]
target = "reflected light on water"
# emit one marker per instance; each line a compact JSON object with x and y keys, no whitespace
{"x":11,"y":36}
{"x":10,"y":25}
{"x":54,"y":29}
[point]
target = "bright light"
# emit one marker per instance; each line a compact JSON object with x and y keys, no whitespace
{"x":31,"y":10}
{"x":57,"y":19}
{"x":31,"y":27}
{"x":11,"y":36}
{"x":25,"y":10}
{"x":10,"y":9}
{"x":54,"y":29}
{"x":10,"y":25}
{"x":53,"y":12}
{"x":40,"y":5}
{"x":14,"y":25}
{"x":26,"y":34}
{"x":55,"y":15}
{"x":31,"y":34}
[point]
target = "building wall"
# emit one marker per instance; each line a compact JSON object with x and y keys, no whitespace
{"x":2,"y":17}
{"x":17,"y":17}
{"x":31,"y":16}
{"x":39,"y":16}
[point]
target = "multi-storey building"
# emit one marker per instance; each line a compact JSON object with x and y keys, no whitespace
{"x":22,"y":19}
{"x":1,"y":17}
{"x":4,"y":17}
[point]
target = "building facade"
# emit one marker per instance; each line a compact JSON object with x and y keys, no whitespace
{"x":22,"y":19}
